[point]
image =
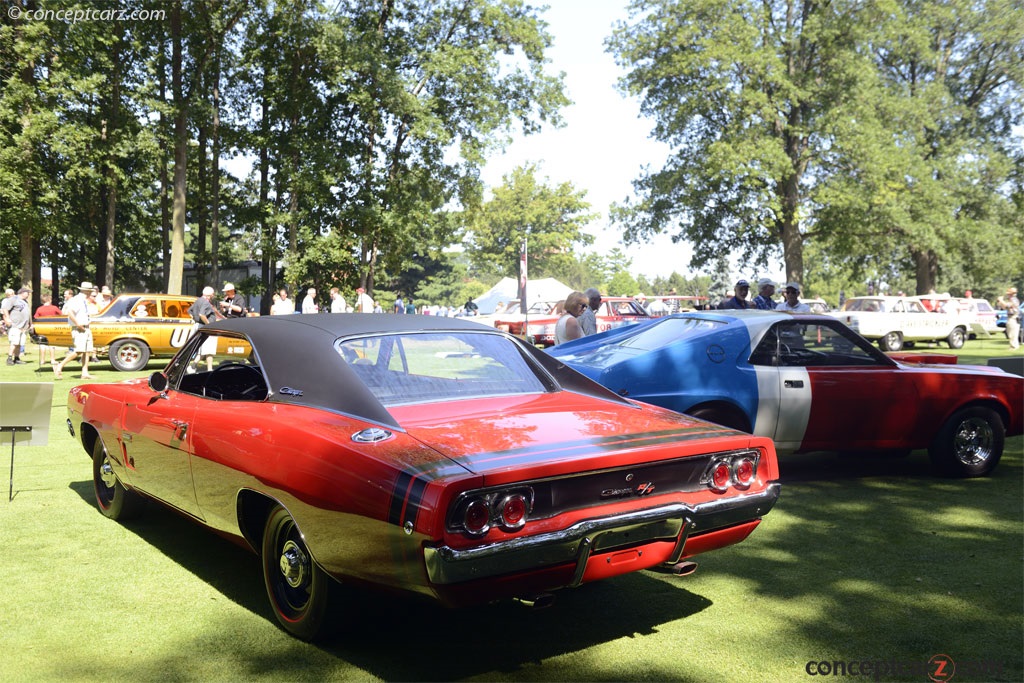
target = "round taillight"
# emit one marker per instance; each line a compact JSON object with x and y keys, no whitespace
{"x":477,"y":518}
{"x":513,"y":511}
{"x":745,"y":472}
{"x":721,"y":476}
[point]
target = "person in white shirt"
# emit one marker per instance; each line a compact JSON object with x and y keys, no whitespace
{"x":309,"y":303}
{"x":283,"y":305}
{"x":792,"y":301}
{"x":364,"y":302}
{"x":78,"y":317}
{"x":104,"y":298}
{"x":338,"y":304}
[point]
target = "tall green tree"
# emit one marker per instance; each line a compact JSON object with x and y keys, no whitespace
{"x":742,"y":91}
{"x":550,"y":219}
{"x":854,"y":124}
{"x":924,"y":154}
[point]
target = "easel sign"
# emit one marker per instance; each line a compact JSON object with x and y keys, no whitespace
{"x":24,"y":414}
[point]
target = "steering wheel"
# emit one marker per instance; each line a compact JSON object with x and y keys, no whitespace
{"x":254,"y":383}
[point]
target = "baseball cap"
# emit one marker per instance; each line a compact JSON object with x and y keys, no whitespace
{"x":793,"y":285}
{"x":23,"y":290}
{"x":742,"y":283}
{"x":765,"y":282}
{"x":207,"y":291}
{"x":228,"y":287}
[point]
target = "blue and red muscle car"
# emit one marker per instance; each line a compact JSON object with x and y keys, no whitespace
{"x":432,"y":455}
{"x":810,"y":383}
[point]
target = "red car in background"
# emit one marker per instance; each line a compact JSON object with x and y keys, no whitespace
{"x":615,"y":311}
{"x":426,"y":454}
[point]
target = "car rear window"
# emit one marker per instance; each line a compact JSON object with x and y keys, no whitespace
{"x":440,"y":366}
{"x":668,"y":330}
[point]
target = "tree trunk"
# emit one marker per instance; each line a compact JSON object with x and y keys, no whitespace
{"x":165,"y":190}
{"x":177,"y":260}
{"x":215,"y":180}
{"x":108,"y":238}
{"x":927,"y":268}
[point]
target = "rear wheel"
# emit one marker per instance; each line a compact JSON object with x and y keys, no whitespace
{"x":956,"y":338}
{"x":298,"y":589}
{"x":969,"y":444}
{"x":891,"y":342}
{"x":129,"y":355}
{"x":727,"y":417}
{"x":112,"y":498}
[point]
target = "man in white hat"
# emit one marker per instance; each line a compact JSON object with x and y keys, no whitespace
{"x":232,"y":305}
{"x":792,"y":302}
{"x":765,"y":291}
{"x":81,"y":336}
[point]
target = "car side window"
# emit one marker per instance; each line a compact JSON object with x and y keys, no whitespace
{"x":825,"y":344}
{"x":144,"y":308}
{"x":176,"y":308}
{"x":220,"y":367}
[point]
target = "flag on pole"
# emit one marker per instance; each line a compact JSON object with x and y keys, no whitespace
{"x":522,"y":277}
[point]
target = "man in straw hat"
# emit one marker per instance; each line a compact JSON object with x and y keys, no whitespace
{"x":81,"y":336}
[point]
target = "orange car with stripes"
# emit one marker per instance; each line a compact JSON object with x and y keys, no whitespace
{"x":132,"y":329}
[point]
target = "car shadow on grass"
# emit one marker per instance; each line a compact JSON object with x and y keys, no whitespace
{"x":230,"y":568}
{"x":402,"y":637}
{"x":880,"y":559}
{"x":439,"y":644}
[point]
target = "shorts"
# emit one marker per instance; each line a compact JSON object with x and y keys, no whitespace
{"x":82,"y":341}
{"x":17,"y":335}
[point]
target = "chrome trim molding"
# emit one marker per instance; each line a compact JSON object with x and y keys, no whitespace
{"x":674,"y":522}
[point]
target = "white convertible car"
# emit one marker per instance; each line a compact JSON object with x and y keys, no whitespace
{"x":893,"y":321}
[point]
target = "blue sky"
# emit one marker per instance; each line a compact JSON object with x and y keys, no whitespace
{"x":605,"y":143}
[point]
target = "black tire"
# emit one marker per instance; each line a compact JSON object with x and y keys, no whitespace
{"x":112,"y":498}
{"x":298,"y":589}
{"x":726,"y":417}
{"x":969,"y":444}
{"x":893,"y":341}
{"x":956,"y":338}
{"x":129,"y":355}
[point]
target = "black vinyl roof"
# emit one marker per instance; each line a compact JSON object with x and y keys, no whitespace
{"x":298,"y":352}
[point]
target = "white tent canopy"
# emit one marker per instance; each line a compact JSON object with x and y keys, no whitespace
{"x":546,"y":289}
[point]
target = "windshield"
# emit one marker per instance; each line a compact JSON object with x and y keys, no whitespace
{"x":667,"y":331}
{"x":440,"y":366}
{"x":865,"y":305}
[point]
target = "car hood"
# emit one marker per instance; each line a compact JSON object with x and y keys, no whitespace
{"x":559,"y":433}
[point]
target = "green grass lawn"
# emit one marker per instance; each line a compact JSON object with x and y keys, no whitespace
{"x":872,"y":560}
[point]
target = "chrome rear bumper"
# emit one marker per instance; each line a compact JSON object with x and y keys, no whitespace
{"x":577,"y":543}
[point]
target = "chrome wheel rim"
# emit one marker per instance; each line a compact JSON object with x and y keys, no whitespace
{"x":972,"y":441}
{"x":129,"y":354}
{"x":105,"y":482}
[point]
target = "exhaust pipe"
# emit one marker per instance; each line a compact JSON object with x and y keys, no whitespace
{"x":541,"y":601}
{"x":684,"y":568}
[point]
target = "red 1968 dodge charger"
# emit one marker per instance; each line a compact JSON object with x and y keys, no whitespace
{"x":432,"y":455}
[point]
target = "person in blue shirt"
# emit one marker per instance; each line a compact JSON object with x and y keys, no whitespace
{"x":765,"y":290}
{"x":739,"y":298}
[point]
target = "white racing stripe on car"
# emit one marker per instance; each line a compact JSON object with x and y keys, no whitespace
{"x":784,"y":405}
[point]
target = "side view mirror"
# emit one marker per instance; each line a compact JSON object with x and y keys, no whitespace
{"x":158,"y":382}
